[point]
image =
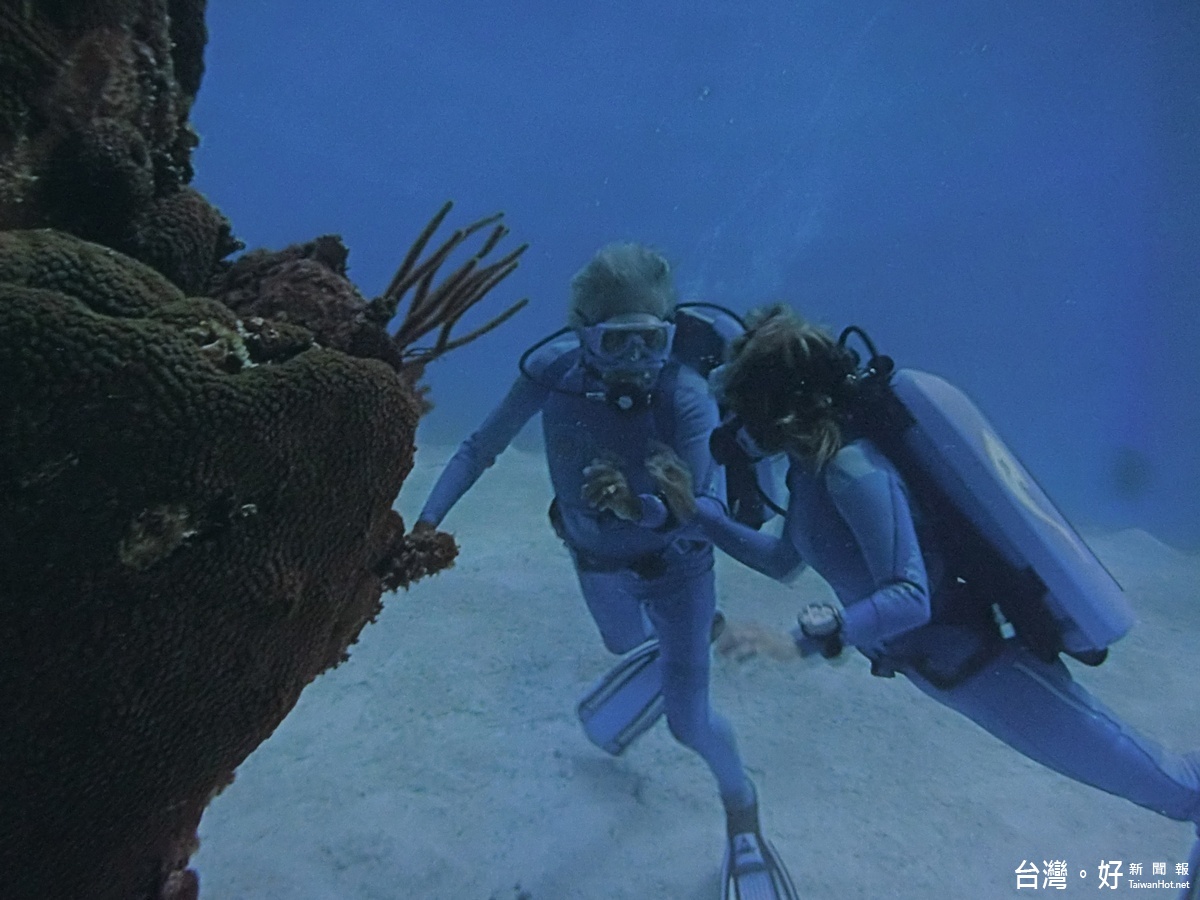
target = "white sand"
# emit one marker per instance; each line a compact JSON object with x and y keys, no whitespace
{"x":444,"y":759}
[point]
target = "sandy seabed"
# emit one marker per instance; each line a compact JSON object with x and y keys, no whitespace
{"x":444,"y":759}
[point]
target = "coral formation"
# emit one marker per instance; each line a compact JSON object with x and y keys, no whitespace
{"x":198,"y":459}
{"x":94,"y":112}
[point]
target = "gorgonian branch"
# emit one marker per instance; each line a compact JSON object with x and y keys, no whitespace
{"x":439,"y":307}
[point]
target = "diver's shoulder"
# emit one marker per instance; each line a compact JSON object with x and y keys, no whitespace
{"x":856,"y":461}
{"x":689,"y":382}
{"x":542,"y":360}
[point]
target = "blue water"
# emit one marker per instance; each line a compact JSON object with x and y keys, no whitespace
{"x":1007,"y":194}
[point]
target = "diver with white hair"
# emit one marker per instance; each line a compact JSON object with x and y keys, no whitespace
{"x":610,"y":393}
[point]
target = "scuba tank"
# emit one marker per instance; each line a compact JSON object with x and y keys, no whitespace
{"x":1060,"y":597}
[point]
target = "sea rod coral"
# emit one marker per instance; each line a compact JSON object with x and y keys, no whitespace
{"x":198,"y":458}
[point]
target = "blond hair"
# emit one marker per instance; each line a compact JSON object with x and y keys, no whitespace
{"x":620,"y":279}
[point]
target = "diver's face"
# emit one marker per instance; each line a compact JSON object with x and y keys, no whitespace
{"x":754,"y":451}
{"x":628,"y":349}
{"x":731,"y":440}
{"x":761,"y":438}
{"x":760,"y":414}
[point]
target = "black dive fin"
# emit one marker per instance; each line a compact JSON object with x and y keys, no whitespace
{"x":752,"y":870}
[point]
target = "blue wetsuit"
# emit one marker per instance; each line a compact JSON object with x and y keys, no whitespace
{"x":638,"y":579}
{"x":853,"y":523}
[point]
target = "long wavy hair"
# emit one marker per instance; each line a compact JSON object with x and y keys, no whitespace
{"x":786,"y":380}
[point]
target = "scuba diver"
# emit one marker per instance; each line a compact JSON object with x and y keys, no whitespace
{"x":611,"y":392}
{"x":950,"y":565}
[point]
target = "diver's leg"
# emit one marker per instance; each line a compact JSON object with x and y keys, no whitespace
{"x":1039,"y":710}
{"x":616,"y":608}
{"x":626,"y":701}
{"x":681,"y":609}
{"x":682,"y":613}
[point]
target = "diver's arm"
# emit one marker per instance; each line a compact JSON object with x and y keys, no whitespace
{"x":772,"y":556}
{"x":695,"y":417}
{"x":692,"y":501}
{"x":872,"y":502}
{"x":480,"y":450}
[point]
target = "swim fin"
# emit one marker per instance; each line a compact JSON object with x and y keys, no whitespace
{"x":627,"y":700}
{"x":752,"y":870}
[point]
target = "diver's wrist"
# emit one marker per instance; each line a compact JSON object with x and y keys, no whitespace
{"x":819,"y":631}
{"x":655,"y":513}
{"x":710,"y":508}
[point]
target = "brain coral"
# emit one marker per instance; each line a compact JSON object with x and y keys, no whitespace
{"x":195,"y":491}
{"x":190,"y":535}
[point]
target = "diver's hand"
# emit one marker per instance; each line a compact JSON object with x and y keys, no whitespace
{"x":605,"y":487}
{"x":742,"y":640}
{"x":674,"y":480}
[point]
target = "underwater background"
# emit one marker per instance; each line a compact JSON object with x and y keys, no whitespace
{"x":1006,"y":194}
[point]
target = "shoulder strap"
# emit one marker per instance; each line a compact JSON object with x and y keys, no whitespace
{"x":552,"y":375}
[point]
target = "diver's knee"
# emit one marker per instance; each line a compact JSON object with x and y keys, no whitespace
{"x":687,"y":729}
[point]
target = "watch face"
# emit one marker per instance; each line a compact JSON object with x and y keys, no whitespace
{"x":819,"y":620}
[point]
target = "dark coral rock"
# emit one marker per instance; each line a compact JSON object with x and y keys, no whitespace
{"x":195,"y":492}
{"x":189,"y":35}
{"x":181,"y":235}
{"x":272,"y":341}
{"x":188,"y":538}
{"x":94,"y":181}
{"x":305,"y":285}
{"x":30,"y":54}
{"x":93,"y":115}
{"x":414,"y":555}
{"x":104,"y":280}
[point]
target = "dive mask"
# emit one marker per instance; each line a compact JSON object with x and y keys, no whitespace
{"x":633,"y":351}
{"x":616,"y":343}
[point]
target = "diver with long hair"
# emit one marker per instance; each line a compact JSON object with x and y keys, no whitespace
{"x":609,"y":391}
{"x":922,"y":586}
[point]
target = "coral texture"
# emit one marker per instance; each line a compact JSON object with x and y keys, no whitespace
{"x":189,"y":538}
{"x":195,"y":491}
{"x":306,"y":285}
{"x":94,"y":133}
